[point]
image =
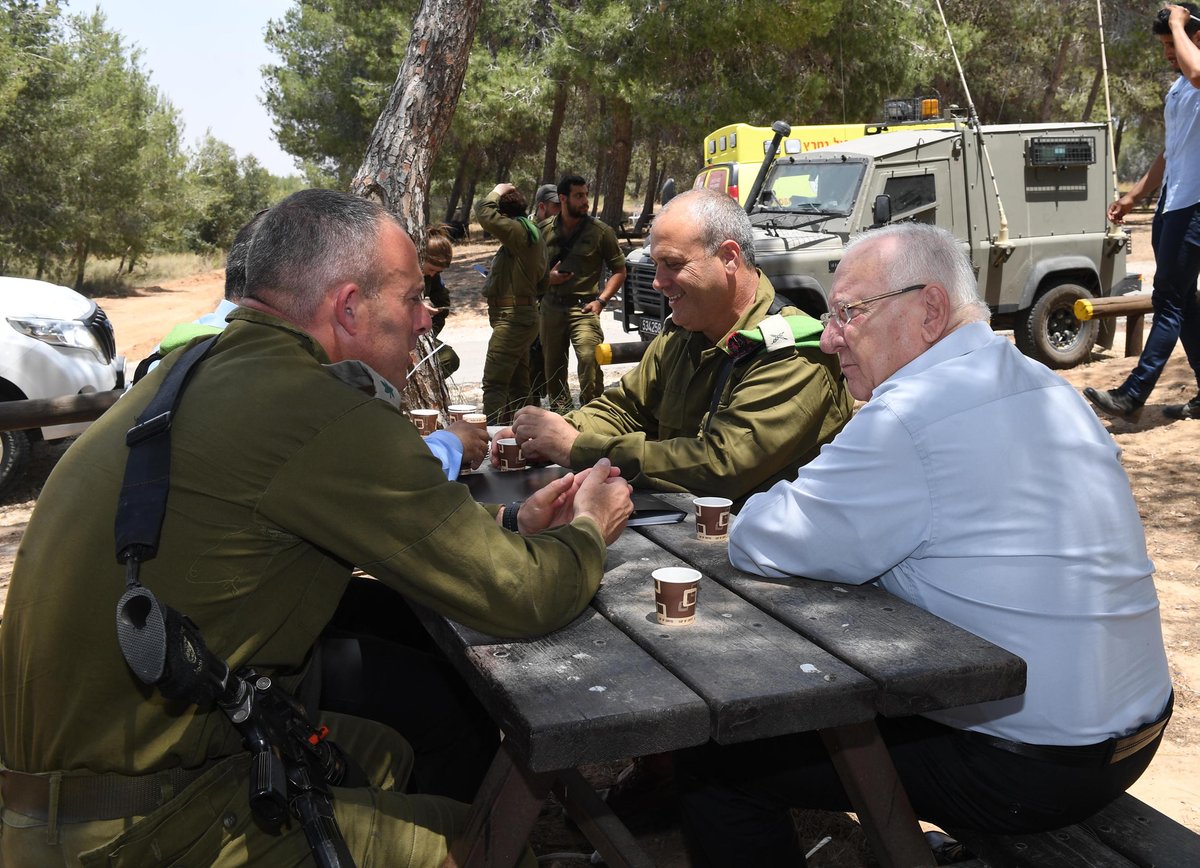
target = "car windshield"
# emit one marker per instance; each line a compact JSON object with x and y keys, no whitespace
{"x":808,"y":188}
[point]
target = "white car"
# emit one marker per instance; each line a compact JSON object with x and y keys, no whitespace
{"x":54,"y":342}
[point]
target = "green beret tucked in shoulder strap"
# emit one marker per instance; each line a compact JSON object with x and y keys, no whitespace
{"x":773,"y":333}
{"x":530,"y":229}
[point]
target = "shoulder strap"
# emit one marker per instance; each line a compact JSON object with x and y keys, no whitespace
{"x":773,"y":332}
{"x":143,"y":500}
{"x":722,"y":379}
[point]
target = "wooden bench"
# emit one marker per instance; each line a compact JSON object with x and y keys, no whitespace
{"x":1133,"y":307}
{"x":1126,"y":834}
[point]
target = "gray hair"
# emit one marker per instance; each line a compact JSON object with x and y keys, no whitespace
{"x":718,"y":218}
{"x":310,"y":242}
{"x":929,"y":254}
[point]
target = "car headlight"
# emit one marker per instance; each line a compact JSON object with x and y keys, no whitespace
{"x":58,"y":333}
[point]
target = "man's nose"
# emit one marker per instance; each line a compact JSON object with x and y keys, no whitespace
{"x":831,"y":338}
{"x":424,"y":321}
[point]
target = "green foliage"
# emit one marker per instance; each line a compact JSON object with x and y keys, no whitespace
{"x":339,"y":59}
{"x":90,"y":158}
{"x":222,"y":192}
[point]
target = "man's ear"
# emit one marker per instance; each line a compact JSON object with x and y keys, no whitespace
{"x":936,"y":308}
{"x":730,"y":254}
{"x":346,"y":301}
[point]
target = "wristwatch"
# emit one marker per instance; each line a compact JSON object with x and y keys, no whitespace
{"x":509,"y":520}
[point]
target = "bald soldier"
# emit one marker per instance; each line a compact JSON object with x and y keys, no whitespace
{"x":290,"y":465}
{"x":733,"y":396}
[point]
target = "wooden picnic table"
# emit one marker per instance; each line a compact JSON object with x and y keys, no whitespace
{"x":765,"y":657}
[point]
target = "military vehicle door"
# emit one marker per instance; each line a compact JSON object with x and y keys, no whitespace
{"x":923,"y":194}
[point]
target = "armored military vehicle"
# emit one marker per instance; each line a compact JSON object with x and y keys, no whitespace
{"x":1037,"y":235}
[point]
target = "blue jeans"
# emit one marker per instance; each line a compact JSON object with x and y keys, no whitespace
{"x":1175,"y":237}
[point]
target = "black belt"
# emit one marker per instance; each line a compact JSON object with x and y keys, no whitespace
{"x":513,"y":301}
{"x":565,"y":302}
{"x":88,"y":797}
{"x":1103,"y":753}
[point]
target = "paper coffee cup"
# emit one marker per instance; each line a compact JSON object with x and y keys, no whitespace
{"x":426,"y":420}
{"x":675,"y":591}
{"x":479,"y":420}
{"x":457,"y":412}
{"x":511,"y":457}
{"x":712,"y":517}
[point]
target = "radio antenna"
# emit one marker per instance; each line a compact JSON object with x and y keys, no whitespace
{"x":1108,"y":116}
{"x":973,"y":120}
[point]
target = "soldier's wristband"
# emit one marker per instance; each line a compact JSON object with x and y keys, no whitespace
{"x":509,"y":520}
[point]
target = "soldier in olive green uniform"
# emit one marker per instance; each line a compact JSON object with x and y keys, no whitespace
{"x":728,"y":399}
{"x":578,"y":245}
{"x":287,"y":469}
{"x":514,"y":283}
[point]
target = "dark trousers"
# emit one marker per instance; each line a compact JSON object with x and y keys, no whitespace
{"x":735,"y":799}
{"x":1175,"y":236}
{"x":377,"y":662}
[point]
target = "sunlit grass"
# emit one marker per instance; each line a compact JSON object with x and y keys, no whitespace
{"x":101,"y":279}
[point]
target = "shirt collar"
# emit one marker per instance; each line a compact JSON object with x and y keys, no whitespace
{"x":960,"y":342}
{"x":764,"y":295}
{"x":261,"y":318}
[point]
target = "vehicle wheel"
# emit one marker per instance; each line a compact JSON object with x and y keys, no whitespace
{"x":1049,"y":332}
{"x":15,"y":448}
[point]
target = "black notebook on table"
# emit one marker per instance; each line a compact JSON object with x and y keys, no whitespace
{"x":492,"y":486}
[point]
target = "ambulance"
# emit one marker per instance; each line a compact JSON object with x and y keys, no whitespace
{"x":734,"y":153}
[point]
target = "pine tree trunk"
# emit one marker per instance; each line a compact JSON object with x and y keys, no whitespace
{"x":456,"y":190}
{"x":557,"y":114}
{"x":617,"y":163}
{"x":651,"y":189}
{"x":81,"y":253}
{"x":399,"y":160}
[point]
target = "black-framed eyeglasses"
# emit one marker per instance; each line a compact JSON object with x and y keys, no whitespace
{"x":843,"y":311}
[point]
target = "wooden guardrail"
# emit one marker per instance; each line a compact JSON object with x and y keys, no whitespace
{"x":41,"y":412}
{"x":1133,"y":307}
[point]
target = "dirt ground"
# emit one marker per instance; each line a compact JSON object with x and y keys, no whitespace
{"x":1160,"y":456}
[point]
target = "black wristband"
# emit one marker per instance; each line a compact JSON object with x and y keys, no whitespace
{"x":509,"y":520}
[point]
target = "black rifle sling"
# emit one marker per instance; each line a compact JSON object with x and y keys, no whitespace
{"x":143,"y":500}
{"x":777,"y":304}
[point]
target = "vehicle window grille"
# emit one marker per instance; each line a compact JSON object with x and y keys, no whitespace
{"x":1061,"y":151}
{"x":102,"y":330}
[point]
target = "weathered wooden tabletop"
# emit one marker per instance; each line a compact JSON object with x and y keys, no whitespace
{"x":764,"y":657}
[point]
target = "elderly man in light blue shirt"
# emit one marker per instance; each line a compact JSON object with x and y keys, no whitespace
{"x":976,"y":484}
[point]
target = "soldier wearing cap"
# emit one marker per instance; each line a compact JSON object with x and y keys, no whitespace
{"x":579,"y":247}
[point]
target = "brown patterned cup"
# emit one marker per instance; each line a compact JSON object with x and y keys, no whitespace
{"x":712,"y":518}
{"x":479,"y":420}
{"x":425,"y":420}
{"x":511,"y":457}
{"x":458,"y":412}
{"x":675,"y":590}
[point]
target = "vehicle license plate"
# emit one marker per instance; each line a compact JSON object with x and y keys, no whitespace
{"x":650,"y":327}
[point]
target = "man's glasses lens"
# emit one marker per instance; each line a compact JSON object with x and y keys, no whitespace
{"x":843,"y":311}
